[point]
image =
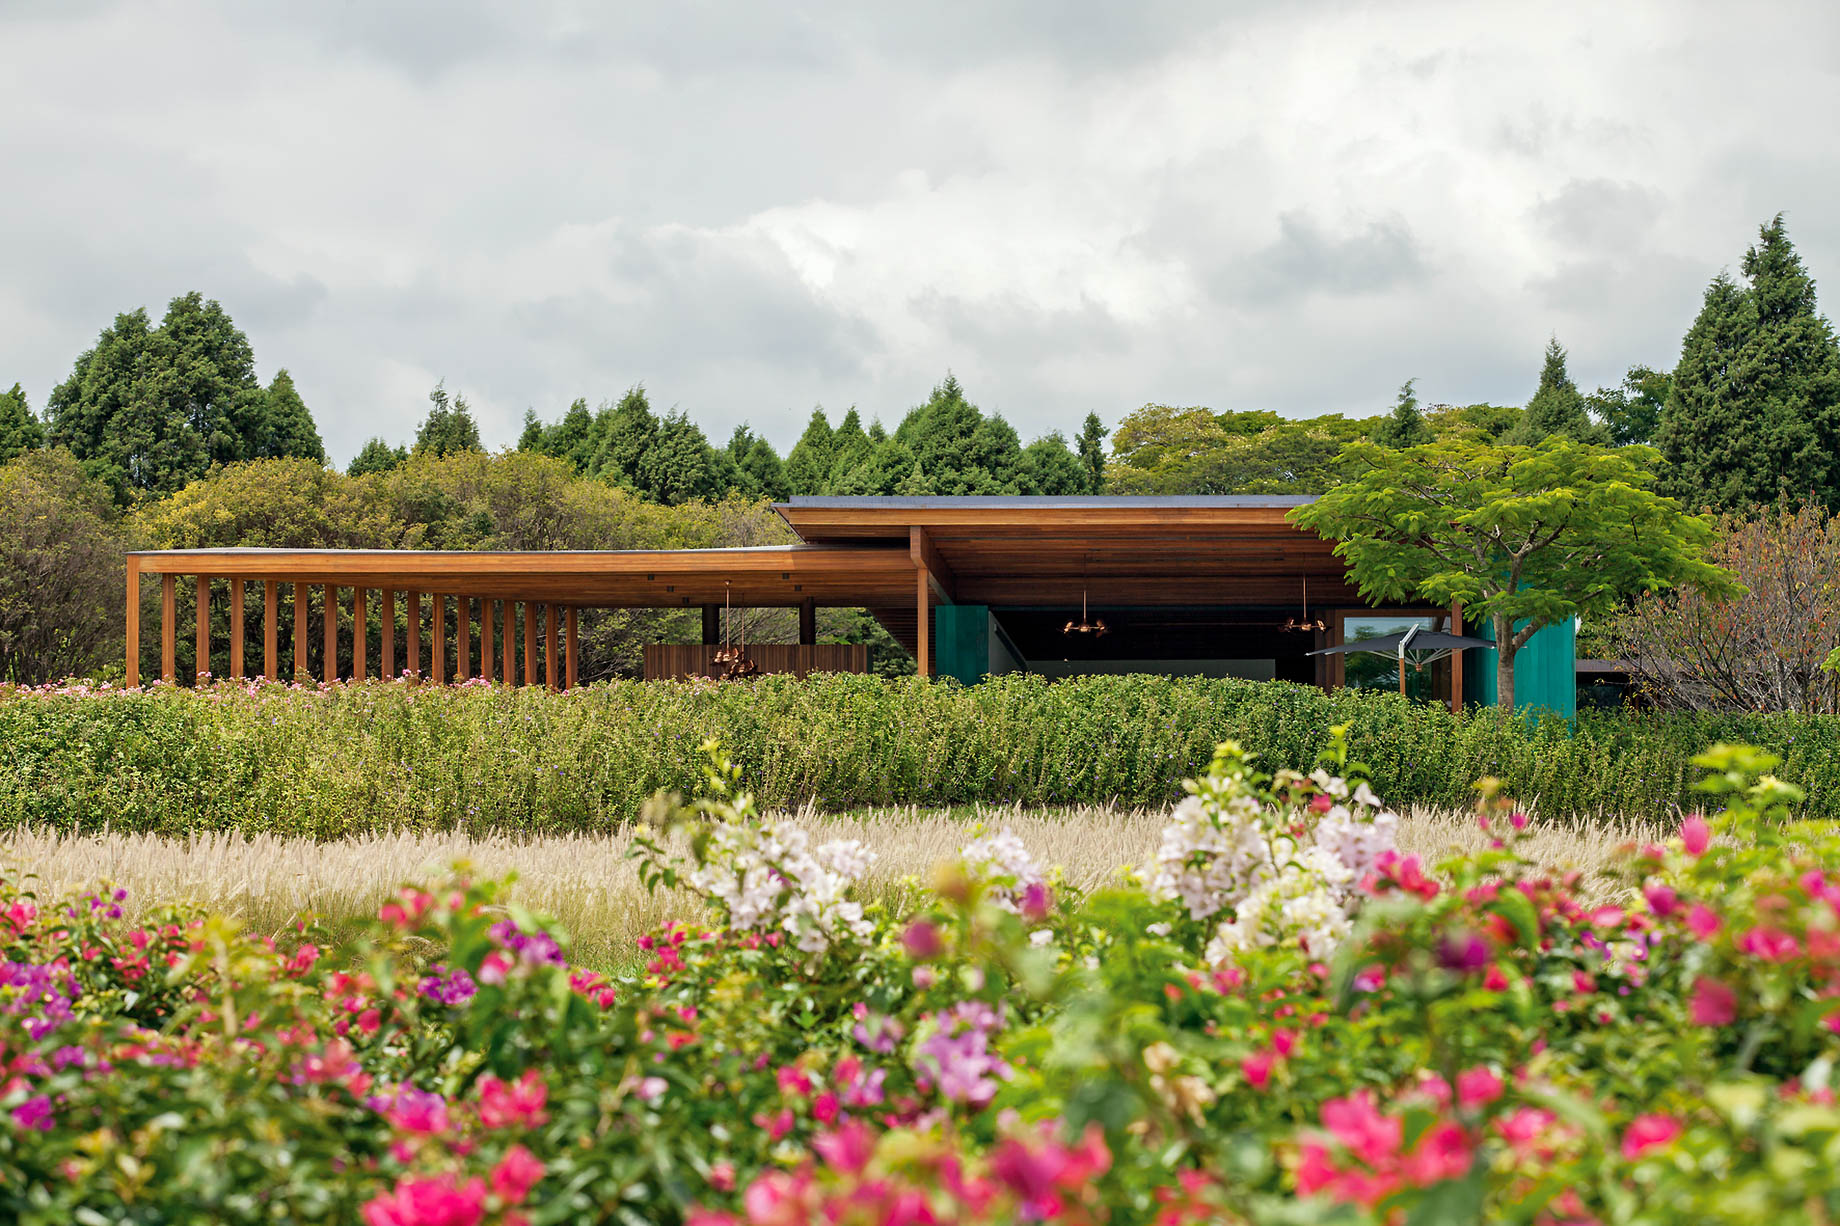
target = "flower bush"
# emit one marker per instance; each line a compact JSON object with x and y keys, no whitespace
{"x":1289,"y":1022}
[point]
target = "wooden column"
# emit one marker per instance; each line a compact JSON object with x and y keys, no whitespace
{"x":329,"y":666}
{"x":132,"y":676}
{"x":712,"y":625}
{"x":509,"y":655}
{"x":437,"y":642}
{"x":530,"y":643}
{"x":360,"y":634}
{"x":485,"y":637}
{"x":1456,"y":660}
{"x":202,"y":664}
{"x":571,"y":677}
{"x":169,"y":628}
{"x":236,"y":629}
{"x":923,"y":614}
{"x":271,"y":624}
{"x":808,"y":621}
{"x":415,"y":633}
{"x":463,"y":637}
{"x":552,"y":650}
{"x":387,"y":666}
{"x":300,"y":633}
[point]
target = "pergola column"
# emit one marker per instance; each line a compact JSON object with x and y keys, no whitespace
{"x":169,"y":627}
{"x":132,"y":676}
{"x":360,"y":632}
{"x":271,"y":622}
{"x":1456,"y":660}
{"x":329,"y":666}
{"x":510,"y":642}
{"x":300,"y":633}
{"x":415,"y":633}
{"x":437,"y":629}
{"x":485,"y":637}
{"x":201,"y":666}
{"x":712,"y":625}
{"x":808,"y":621}
{"x":571,"y":676}
{"x":530,"y":643}
{"x":463,"y":636}
{"x":387,"y":666}
{"x":236,"y":629}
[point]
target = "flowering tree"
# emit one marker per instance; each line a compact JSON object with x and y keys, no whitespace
{"x":1523,"y":537}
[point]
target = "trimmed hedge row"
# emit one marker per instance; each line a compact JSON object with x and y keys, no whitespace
{"x":385,"y":755}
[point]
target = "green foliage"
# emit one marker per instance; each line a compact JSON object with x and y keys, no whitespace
{"x":1405,"y":426}
{"x":148,"y":408}
{"x":449,"y":426}
{"x":1091,"y":446}
{"x":809,"y":463}
{"x":62,"y":581}
{"x":1160,"y":449}
{"x":1557,"y":409}
{"x":20,"y":430}
{"x":1523,"y":536}
{"x":1631,"y":411}
{"x":377,"y":456}
{"x":1753,"y":414}
{"x":389,"y":756}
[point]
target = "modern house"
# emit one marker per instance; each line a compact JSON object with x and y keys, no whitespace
{"x":1206,"y":586}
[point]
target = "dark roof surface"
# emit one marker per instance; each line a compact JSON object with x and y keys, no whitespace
{"x":1005,"y":502}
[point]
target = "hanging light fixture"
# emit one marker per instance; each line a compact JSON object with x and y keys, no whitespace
{"x":733,"y":655}
{"x":1293,"y":625}
{"x":1094,"y":626}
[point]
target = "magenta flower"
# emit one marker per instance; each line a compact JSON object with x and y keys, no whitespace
{"x":1695,"y":835}
{"x":34,"y":1114}
{"x":1647,"y":1132}
{"x":1713,"y":1004}
{"x":429,"y":1202}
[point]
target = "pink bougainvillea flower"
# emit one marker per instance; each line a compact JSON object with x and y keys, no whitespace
{"x":513,"y":1104}
{"x":516,"y":1174}
{"x":34,"y":1114}
{"x":1695,"y":835}
{"x":922,"y":940}
{"x":429,"y":1202}
{"x":1648,"y":1132}
{"x":1495,"y":979}
{"x":1478,"y":1086}
{"x":1702,"y":921}
{"x":417,"y":1111}
{"x":1768,"y":943}
{"x":1661,"y":898}
{"x":1257,"y":1068}
{"x":781,"y":1198}
{"x":1713,"y":1003}
{"x":845,"y":1149}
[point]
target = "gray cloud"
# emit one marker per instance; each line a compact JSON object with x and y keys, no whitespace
{"x":1073,"y":204}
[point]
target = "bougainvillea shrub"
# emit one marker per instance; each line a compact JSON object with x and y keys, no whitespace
{"x":1285,"y":1021}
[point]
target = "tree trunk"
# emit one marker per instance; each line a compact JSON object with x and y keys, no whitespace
{"x":1505,"y":651}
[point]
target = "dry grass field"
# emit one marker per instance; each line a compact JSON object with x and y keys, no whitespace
{"x":589,"y":884}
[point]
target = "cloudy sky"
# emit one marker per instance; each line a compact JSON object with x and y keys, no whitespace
{"x":754,"y":208}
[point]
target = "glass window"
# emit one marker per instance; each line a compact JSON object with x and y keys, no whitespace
{"x":1366,"y":671}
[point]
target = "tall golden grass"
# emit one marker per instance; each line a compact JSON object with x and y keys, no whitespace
{"x":590,"y":885}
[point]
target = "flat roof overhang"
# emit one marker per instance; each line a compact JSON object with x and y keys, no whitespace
{"x":758,"y":577}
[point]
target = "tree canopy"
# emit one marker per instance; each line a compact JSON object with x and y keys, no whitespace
{"x":1753,"y":413}
{"x":1405,"y":426}
{"x":20,"y":431}
{"x":1557,"y":409}
{"x":449,"y":426}
{"x":1523,"y":537}
{"x":150,"y":408}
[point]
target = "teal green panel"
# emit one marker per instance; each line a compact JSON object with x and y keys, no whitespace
{"x":1545,"y":670}
{"x":961,"y":635}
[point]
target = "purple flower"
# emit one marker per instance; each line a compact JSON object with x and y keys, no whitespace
{"x":957,"y":1058}
{"x":531,"y":948}
{"x":1463,"y":952}
{"x":446,"y":987}
{"x":34,"y":1114}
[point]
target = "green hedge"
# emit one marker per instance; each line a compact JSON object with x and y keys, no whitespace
{"x":385,"y":755}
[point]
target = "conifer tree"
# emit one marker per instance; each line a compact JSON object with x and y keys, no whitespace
{"x":449,"y":426}
{"x":1753,"y":413}
{"x":808,"y":464}
{"x":1405,"y":426}
{"x":289,"y":432}
{"x":628,"y":433}
{"x":377,"y":456}
{"x":20,"y":431}
{"x":850,"y":446}
{"x":1092,"y":452}
{"x":1557,"y":409}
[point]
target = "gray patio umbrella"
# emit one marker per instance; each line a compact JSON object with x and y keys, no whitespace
{"x":1424,"y":646}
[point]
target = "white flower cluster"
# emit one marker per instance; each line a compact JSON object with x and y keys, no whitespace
{"x":1005,"y":863}
{"x":1276,"y":873}
{"x":770,"y":877}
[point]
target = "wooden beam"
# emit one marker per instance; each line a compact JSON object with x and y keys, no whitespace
{"x":552,"y":650}
{"x":271,"y":627}
{"x":360,"y":635}
{"x":485,"y":637}
{"x":926,"y":556}
{"x":437,"y":642}
{"x":236,"y":629}
{"x":169,"y":628}
{"x":300,"y":632}
{"x":510,"y":642}
{"x":132,"y":676}
{"x":923,"y":655}
{"x":329,"y":634}
{"x":573,"y":675}
{"x":530,"y":643}
{"x":201,"y":663}
{"x":808,"y":621}
{"x":463,"y":640}
{"x":415,"y":632}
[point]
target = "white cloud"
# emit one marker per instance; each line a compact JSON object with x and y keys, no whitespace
{"x":1292,"y":206}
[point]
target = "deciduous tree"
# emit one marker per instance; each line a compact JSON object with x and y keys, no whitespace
{"x":1524,"y":537}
